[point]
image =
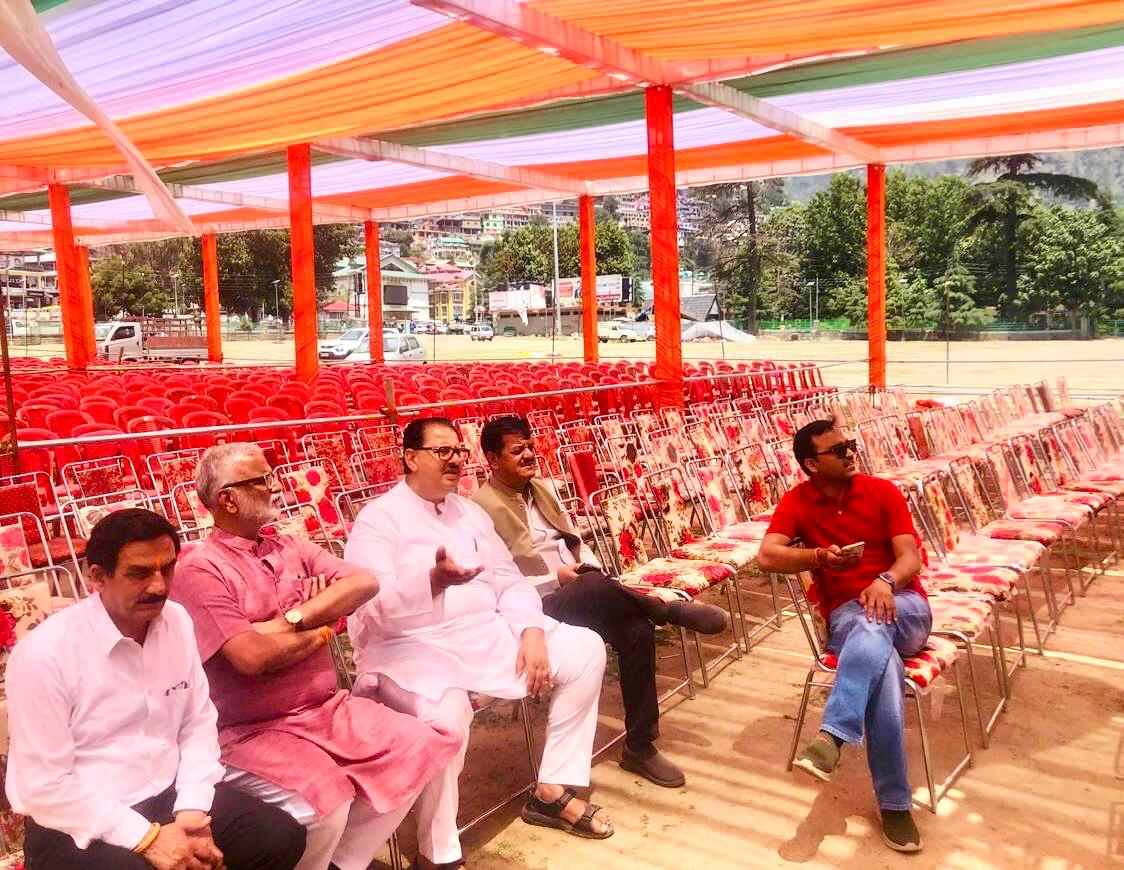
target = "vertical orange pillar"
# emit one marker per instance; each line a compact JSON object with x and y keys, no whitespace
{"x":374,"y":288}
{"x":665,"y":244}
{"x":86,"y":292}
{"x":587,"y":234}
{"x":876,"y":272}
{"x":304,"y":266}
{"x":211,"y":308}
{"x":66,"y":262}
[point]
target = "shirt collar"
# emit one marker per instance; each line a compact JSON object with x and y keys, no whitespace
{"x":821,"y":497}
{"x":510,"y":491}
{"x":235,"y":542}
{"x":106,"y":633}
{"x":434,"y":510}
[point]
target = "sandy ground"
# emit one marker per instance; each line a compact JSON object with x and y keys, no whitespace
{"x":1048,"y":793}
{"x":1087,"y":365}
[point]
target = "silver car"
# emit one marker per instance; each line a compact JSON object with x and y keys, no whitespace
{"x":345,"y":345}
{"x":395,"y":348}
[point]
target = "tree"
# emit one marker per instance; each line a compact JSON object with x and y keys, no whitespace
{"x":527,"y":254}
{"x":1074,"y":261}
{"x":121,"y":285}
{"x":1006,"y":203}
{"x":925,"y":220}
{"x":956,"y":296}
{"x":835,"y":230}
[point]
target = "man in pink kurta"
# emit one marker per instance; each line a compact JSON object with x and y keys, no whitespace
{"x":348,"y":767}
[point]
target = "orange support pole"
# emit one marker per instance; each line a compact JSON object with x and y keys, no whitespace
{"x":665,"y":244}
{"x":211,"y":308}
{"x":876,"y":272}
{"x":66,"y":262}
{"x":86,"y":291}
{"x":588,"y":237}
{"x":304,"y":265}
{"x":374,"y":289}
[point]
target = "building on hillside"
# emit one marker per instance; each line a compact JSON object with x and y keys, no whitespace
{"x":405,"y":289}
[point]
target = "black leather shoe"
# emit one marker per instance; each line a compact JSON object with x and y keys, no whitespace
{"x":653,"y":767}
{"x":696,"y":616}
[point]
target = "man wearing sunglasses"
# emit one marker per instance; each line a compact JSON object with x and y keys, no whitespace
{"x":264,"y":607}
{"x":454,"y":614}
{"x":876,"y":610}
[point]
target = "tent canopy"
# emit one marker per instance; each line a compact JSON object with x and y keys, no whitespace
{"x":442,"y":106}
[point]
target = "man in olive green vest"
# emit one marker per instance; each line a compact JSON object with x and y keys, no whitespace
{"x":532,"y":524}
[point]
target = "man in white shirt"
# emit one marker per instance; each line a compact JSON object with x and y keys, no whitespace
{"x":114,"y":751}
{"x":454,"y":614}
{"x":533,"y":526}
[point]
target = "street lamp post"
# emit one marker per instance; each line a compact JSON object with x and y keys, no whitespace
{"x":277,"y":299}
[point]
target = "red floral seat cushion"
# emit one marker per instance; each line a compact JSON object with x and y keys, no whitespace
{"x":692,"y":577}
{"x":737,"y":554}
{"x":751,"y":531}
{"x":953,"y":611}
{"x":997,"y":583}
{"x":1044,"y":533}
{"x":1050,"y":508}
{"x":921,"y":669}
{"x":984,"y":550}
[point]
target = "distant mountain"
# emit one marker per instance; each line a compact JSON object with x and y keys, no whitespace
{"x":1105,"y":166}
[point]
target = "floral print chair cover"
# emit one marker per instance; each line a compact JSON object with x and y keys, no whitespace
{"x":376,"y":466}
{"x":637,"y":569}
{"x":335,"y":448}
{"x":87,"y":515}
{"x":675,"y":511}
{"x":311,"y":484}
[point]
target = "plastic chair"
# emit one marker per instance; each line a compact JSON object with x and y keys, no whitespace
{"x":63,"y":422}
{"x":200,"y":420}
{"x":156,"y":405}
{"x":180,"y":410}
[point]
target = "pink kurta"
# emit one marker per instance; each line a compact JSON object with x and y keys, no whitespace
{"x":295,"y":727}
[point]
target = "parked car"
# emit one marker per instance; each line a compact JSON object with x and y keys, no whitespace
{"x":395,"y":348}
{"x":481,"y":332}
{"x":345,"y":345}
{"x":458,"y":328}
{"x":621,"y":330}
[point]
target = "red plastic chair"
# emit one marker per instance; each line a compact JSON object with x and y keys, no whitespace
{"x":34,"y":414}
{"x":202,"y":419}
{"x":207,"y":402}
{"x":238,"y":410}
{"x":40,"y":459}
{"x":63,"y":422}
{"x":273,"y":415}
{"x":102,"y":410}
{"x":293,"y":407}
{"x":180,"y":410}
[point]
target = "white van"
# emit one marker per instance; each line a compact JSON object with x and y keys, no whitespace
{"x":621,"y":330}
{"x":120,"y":341}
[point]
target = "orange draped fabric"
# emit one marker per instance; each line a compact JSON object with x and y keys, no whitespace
{"x":665,"y":245}
{"x":374,"y":289}
{"x":588,"y":239}
{"x":304,"y":265}
{"x":66,"y":262}
{"x":86,"y":292}
{"x":876,"y":272}
{"x":673,"y":30}
{"x":211,"y":307}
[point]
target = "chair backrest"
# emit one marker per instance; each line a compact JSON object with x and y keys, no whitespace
{"x":192,"y":518}
{"x":334,"y":446}
{"x":625,"y":525}
{"x":718,"y":496}
{"x":98,"y":476}
{"x":376,"y":466}
{"x":86,"y":512}
{"x":670,"y":502}
{"x":754,"y":480}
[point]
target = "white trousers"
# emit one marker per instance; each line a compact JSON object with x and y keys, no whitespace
{"x":350,"y":836}
{"x":577,"y":659}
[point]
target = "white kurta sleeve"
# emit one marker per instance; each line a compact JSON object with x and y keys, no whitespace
{"x":41,"y":760}
{"x":404,"y":589}
{"x":199,"y":768}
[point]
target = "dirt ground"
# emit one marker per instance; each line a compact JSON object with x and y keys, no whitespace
{"x":1048,"y":793}
{"x":1088,"y":365}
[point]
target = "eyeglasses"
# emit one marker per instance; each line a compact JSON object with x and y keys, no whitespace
{"x":841,"y":449}
{"x":265,"y":480}
{"x":447,"y":453}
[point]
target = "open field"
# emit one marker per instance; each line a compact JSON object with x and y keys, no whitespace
{"x":1088,"y":365}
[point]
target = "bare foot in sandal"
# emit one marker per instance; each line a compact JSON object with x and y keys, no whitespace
{"x":574,"y":810}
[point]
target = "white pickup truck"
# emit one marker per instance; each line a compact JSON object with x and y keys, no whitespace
{"x":121,"y":341}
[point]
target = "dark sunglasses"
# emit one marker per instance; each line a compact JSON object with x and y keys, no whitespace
{"x":265,"y":480}
{"x":447,"y":453}
{"x":841,"y":449}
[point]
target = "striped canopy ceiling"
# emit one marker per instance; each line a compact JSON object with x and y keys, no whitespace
{"x":212,"y":91}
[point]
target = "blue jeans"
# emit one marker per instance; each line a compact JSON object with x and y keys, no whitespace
{"x":869,"y":693}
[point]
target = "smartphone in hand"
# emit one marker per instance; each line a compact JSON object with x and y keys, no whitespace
{"x":855,"y":549}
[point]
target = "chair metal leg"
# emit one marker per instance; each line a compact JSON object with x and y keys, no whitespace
{"x":702,"y":660}
{"x":800,"y":714}
{"x":688,"y":671}
{"x":529,"y":737}
{"x":925,"y":755}
{"x":396,"y":860}
{"x":734,"y":615}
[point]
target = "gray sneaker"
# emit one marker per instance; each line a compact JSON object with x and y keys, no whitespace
{"x":899,"y":831}
{"x":819,"y":758}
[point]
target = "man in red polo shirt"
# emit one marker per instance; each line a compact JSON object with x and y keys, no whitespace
{"x":876,"y":610}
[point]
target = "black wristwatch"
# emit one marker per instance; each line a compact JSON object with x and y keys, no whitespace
{"x":885,"y":575}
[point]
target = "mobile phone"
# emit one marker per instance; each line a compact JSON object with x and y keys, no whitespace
{"x":856,"y":548}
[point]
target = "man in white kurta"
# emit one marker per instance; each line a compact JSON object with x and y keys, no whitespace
{"x":455,"y":614}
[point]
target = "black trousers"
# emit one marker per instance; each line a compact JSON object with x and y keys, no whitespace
{"x":252,"y":835}
{"x":600,"y":603}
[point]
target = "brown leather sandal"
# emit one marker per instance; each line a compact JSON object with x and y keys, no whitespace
{"x":548,"y":814}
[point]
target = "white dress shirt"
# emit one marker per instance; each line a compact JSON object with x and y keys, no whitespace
{"x":466,"y":637}
{"x":99,"y":722}
{"x":549,"y":543}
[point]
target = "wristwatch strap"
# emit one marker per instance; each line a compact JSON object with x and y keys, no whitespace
{"x":885,"y":575}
